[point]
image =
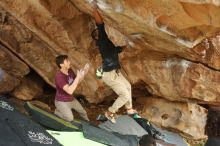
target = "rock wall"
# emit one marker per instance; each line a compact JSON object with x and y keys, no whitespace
{"x":175,"y":78}
{"x":31,"y":87}
{"x":186,"y":118}
{"x":174,"y":50}
{"x":12,"y":69}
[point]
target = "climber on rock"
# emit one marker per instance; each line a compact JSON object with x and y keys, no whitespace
{"x":66,"y":82}
{"x":111,"y":74}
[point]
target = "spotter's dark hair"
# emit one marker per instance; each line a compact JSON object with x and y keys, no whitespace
{"x":60,"y":59}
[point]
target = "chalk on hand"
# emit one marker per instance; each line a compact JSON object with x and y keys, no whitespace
{"x":87,"y":66}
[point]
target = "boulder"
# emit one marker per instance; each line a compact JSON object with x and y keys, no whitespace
{"x":189,"y":119}
{"x":29,"y":89}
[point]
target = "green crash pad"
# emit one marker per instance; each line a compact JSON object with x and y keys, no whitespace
{"x":73,"y":139}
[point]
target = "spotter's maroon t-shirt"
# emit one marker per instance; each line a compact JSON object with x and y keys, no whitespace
{"x":61,"y":80}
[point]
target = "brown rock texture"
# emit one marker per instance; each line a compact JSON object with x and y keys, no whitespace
{"x":67,"y":30}
{"x":175,"y":78}
{"x":174,"y":50}
{"x":11,"y":63}
{"x":186,"y":118}
{"x":21,"y":41}
{"x":170,"y":26}
{"x":29,"y":89}
{"x":64,"y":33}
{"x":8,"y":83}
{"x":12,"y":68}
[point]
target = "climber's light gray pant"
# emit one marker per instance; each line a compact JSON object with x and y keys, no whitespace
{"x":122,"y":88}
{"x":64,"y":110}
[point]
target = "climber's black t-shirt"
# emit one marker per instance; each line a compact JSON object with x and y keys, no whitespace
{"x":108,"y":50}
{"x":213,"y":141}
